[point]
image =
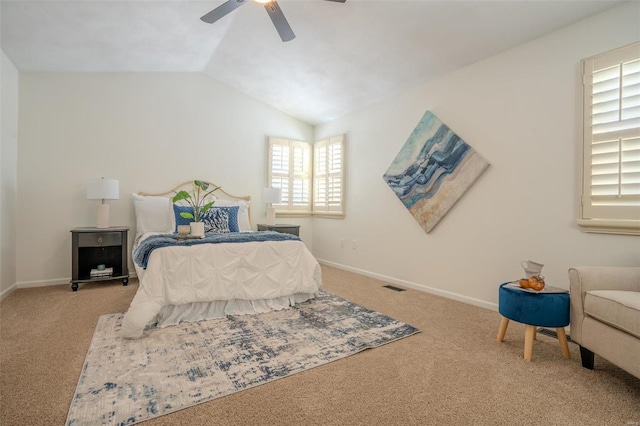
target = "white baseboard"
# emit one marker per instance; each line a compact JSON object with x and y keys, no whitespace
{"x":8,"y":291}
{"x":55,"y":281}
{"x":415,"y":286}
{"x":43,"y":283}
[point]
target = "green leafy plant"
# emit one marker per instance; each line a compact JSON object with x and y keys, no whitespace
{"x":196,"y":199}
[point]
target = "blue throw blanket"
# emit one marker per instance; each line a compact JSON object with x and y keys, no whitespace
{"x":143,"y":251}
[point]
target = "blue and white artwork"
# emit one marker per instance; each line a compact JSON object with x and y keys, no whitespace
{"x":434,"y":168}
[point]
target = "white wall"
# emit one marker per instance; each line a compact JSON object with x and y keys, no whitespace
{"x":521,"y":111}
{"x":8,"y":173}
{"x":151,"y":131}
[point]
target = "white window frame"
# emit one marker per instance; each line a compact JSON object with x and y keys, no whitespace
{"x":610,"y":199}
{"x":333,"y":207}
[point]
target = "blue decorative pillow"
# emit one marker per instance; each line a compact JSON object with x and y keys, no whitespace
{"x":216,"y":219}
{"x":220,"y":220}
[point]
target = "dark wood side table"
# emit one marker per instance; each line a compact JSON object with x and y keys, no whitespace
{"x":285,"y":229}
{"x":99,"y":246}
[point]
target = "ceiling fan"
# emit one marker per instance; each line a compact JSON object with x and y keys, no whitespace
{"x":274,"y":11}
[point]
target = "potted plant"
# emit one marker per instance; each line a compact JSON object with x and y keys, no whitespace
{"x":197,"y":200}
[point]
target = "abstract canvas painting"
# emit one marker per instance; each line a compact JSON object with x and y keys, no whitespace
{"x":434,"y":168}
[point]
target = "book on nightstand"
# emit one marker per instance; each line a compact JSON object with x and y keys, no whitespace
{"x":97,"y":273}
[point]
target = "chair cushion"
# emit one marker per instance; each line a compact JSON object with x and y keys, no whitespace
{"x":619,"y":309}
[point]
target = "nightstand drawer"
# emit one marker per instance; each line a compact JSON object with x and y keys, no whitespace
{"x":285,"y":229}
{"x":98,"y":239}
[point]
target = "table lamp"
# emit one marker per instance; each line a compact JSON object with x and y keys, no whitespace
{"x":103,"y":189}
{"x":271,"y":196}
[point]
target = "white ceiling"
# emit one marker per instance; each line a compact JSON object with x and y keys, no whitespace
{"x":344,"y":57}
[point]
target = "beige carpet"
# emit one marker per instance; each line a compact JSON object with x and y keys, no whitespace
{"x":454,"y":372}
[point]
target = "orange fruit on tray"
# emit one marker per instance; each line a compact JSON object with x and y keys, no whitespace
{"x":535,"y":282}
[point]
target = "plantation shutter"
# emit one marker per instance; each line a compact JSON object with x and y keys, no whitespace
{"x":301,"y":179}
{"x":289,"y":168}
{"x":611,"y":150}
{"x":279,"y":167}
{"x":328,"y":176}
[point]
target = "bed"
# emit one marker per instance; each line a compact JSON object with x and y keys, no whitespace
{"x":235,"y":273}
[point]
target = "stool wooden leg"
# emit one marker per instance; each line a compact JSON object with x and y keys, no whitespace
{"x":562,"y":338}
{"x":529,"y":332}
{"x":503,"y":329}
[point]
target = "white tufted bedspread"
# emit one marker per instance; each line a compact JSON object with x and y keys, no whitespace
{"x":238,"y":272}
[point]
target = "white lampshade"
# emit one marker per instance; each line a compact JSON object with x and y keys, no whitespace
{"x":103,"y":189}
{"x":272,"y":195}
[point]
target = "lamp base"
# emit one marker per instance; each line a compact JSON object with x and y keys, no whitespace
{"x":271,"y":215}
{"x":103,"y":216}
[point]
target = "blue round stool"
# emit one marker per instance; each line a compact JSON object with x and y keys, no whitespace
{"x":534,"y":310}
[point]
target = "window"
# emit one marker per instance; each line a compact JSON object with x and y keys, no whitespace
{"x":290,"y":169}
{"x":611,"y":146}
{"x":311,"y":176}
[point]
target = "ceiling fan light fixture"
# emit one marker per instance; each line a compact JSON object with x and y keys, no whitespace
{"x":272,"y":8}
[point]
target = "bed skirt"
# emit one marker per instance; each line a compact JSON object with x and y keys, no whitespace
{"x":200,"y":311}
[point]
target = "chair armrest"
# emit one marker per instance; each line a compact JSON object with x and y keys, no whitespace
{"x":586,"y":278}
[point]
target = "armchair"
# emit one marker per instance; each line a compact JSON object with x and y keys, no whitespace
{"x":605,"y":315}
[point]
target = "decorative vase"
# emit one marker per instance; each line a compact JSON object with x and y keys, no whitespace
{"x":197,"y":229}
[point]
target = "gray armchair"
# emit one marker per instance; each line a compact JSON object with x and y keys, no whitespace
{"x":605,"y":315}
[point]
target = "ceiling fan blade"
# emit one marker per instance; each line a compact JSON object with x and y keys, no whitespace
{"x":222,"y":10}
{"x":279,"y":21}
{"x":337,"y":1}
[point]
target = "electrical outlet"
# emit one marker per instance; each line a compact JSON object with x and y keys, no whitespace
{"x":354,"y":244}
{"x":341,"y":242}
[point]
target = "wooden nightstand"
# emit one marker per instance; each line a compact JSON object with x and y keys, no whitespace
{"x":99,"y":246}
{"x":285,"y":229}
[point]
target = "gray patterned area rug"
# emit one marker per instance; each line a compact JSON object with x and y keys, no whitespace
{"x":127,"y":381}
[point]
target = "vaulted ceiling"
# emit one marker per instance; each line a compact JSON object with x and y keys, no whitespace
{"x":345,"y":55}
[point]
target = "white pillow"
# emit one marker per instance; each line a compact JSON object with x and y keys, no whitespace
{"x":244,"y":224}
{"x":153,"y":214}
